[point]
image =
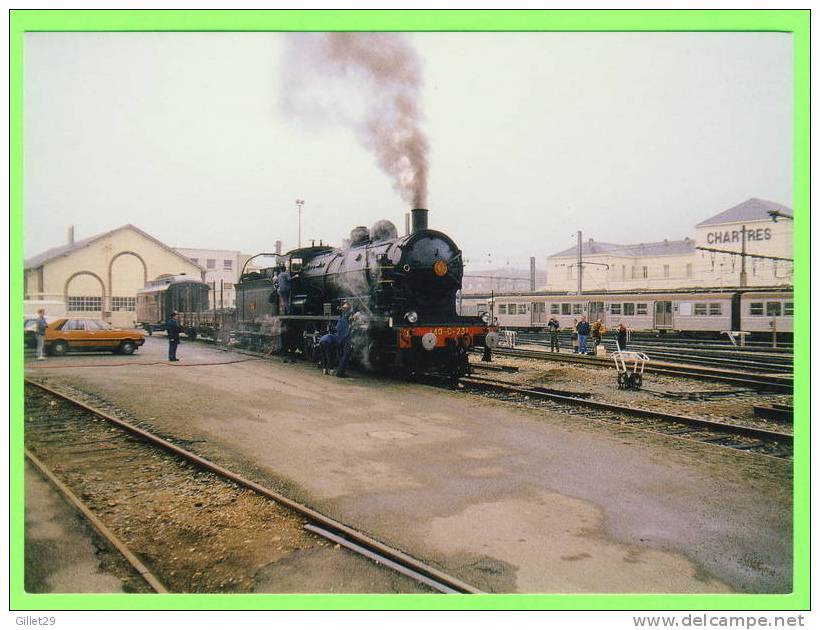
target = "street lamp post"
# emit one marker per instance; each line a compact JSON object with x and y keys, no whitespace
{"x":299,"y":204}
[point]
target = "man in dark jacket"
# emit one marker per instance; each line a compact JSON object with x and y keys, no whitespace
{"x":173,"y":328}
{"x":621,"y":336}
{"x":343,"y":330}
{"x":583,"y":333}
{"x":554,"y":326}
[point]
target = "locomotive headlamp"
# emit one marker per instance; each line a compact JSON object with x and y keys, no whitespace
{"x":428,"y":341}
{"x":411,"y":316}
{"x":485,"y":317}
{"x":440,"y":268}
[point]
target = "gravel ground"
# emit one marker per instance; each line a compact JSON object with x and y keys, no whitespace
{"x":197,"y":532}
{"x":693,"y":397}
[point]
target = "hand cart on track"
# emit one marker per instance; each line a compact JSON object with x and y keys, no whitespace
{"x":630,"y":367}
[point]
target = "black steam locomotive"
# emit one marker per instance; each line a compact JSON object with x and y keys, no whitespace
{"x":402,"y":290}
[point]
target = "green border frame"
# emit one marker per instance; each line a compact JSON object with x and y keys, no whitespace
{"x":795,"y":22}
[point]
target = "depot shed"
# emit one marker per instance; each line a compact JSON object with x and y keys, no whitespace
{"x":99,"y":276}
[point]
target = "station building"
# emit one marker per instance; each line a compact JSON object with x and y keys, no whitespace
{"x":690,"y":262}
{"x":99,"y":276}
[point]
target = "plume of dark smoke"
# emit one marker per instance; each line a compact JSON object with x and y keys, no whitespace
{"x":387,"y":71}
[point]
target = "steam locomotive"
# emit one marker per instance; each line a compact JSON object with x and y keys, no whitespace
{"x":402,"y":290}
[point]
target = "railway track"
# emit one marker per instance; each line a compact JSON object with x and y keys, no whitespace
{"x":106,"y":462}
{"x":775,"y":443}
{"x":745,"y":360}
{"x":679,"y":343}
{"x":770,"y":382}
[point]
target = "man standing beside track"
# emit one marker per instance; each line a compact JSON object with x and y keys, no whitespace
{"x":621,"y":336}
{"x":553,"y":325}
{"x":173,"y":328}
{"x":598,"y":331}
{"x":583,"y":333}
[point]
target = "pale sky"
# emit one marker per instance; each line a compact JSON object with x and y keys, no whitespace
{"x":630,"y":137}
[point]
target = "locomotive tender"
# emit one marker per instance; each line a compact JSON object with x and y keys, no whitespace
{"x":402,"y":289}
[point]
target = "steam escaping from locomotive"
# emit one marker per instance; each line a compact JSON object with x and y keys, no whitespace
{"x":385,"y":73}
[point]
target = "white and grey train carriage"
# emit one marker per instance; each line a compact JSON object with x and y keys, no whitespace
{"x":696,"y":311}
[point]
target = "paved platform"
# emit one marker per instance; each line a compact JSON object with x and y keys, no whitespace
{"x":62,"y":550}
{"x":507,"y":498}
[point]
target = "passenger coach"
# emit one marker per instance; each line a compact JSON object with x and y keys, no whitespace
{"x":707,"y":311}
{"x":161,"y":297}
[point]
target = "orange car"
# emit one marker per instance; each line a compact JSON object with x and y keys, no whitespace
{"x":75,"y":333}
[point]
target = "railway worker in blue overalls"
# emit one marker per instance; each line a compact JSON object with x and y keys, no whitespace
{"x":283,"y":282}
{"x":583,"y":333}
{"x":343,"y":340}
{"x":332,"y":345}
{"x":173,"y":328}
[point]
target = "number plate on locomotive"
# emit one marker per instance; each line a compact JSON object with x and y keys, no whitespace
{"x":450,"y":330}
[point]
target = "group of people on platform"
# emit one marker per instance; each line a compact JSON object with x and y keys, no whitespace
{"x":581,"y":332}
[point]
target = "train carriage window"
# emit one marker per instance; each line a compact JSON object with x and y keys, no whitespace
{"x":522,"y":309}
{"x":629,"y":308}
{"x":615,"y":309}
{"x":715,"y":308}
{"x":566,"y":309}
{"x":75,"y":324}
{"x":502,"y":309}
{"x":756,"y":308}
{"x":577,"y":308}
{"x":773,"y":309}
{"x":788,"y":309}
{"x":511,"y":309}
{"x":642,"y":308}
{"x":700,"y":309}
{"x":555,"y":309}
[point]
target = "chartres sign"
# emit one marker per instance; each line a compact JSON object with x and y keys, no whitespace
{"x":736,"y":236}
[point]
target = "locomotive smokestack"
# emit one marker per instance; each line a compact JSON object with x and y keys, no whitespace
{"x":419,"y":219}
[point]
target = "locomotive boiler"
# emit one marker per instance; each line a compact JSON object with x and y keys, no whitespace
{"x":403,"y":290}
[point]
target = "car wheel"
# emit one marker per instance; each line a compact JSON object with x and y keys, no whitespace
{"x":127,"y":347}
{"x":59,"y":348}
